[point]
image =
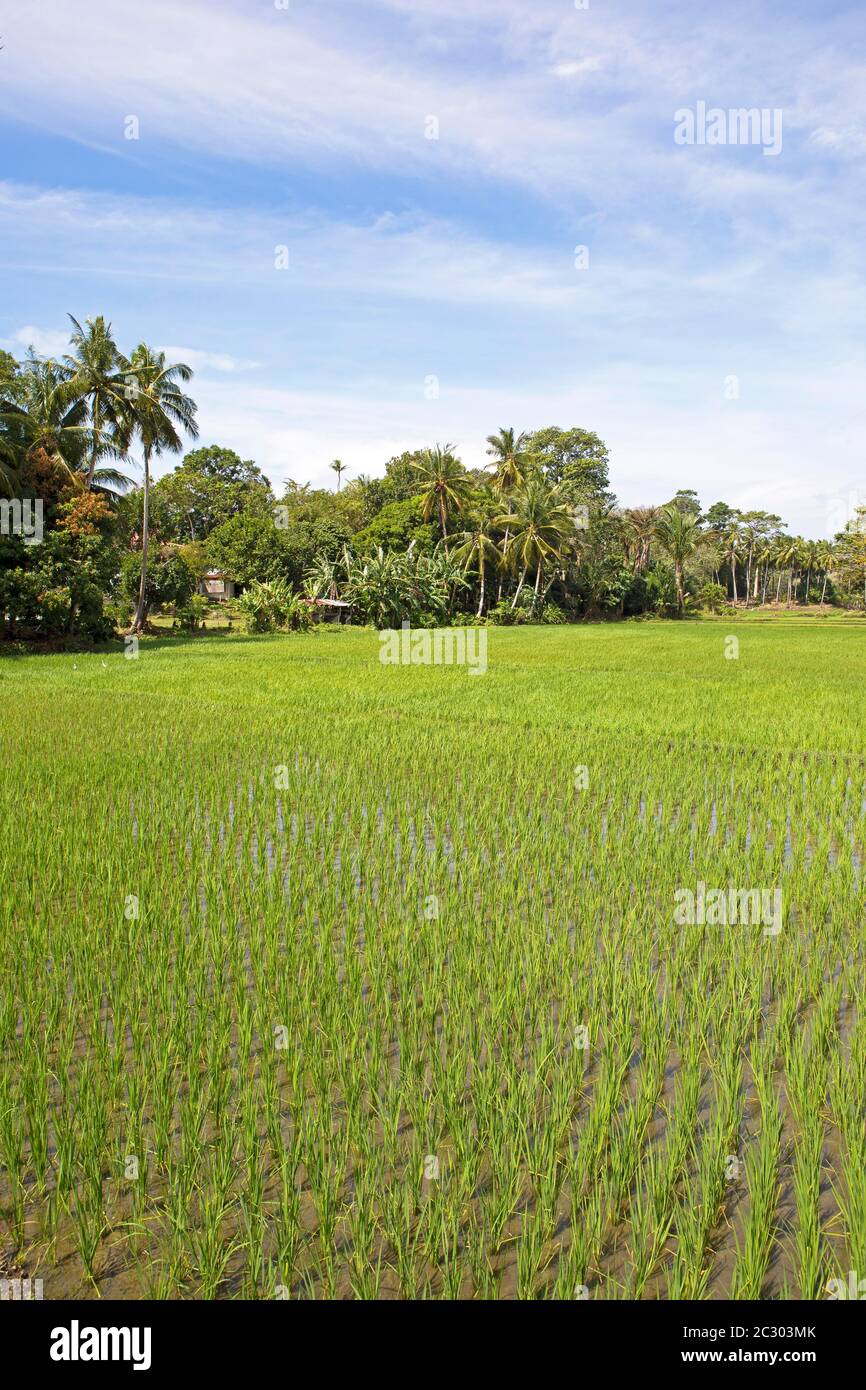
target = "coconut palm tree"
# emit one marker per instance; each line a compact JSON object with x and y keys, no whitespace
{"x":640,"y":529}
{"x":93,"y":369}
{"x":540,"y":522}
{"x":733,"y":542}
{"x":509,"y":468}
{"x":825,"y":557}
{"x":679,"y":535}
{"x":790,"y":551}
{"x":156,"y":410}
{"x":809,"y":555}
{"x":50,"y":416}
{"x":445,"y":485}
{"x":478,"y":549}
{"x":509,"y":460}
{"x":338,"y":468}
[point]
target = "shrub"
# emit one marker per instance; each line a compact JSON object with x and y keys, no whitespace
{"x":712,"y":598}
{"x":273,"y":605}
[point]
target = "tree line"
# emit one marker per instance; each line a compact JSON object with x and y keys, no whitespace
{"x":535,"y":535}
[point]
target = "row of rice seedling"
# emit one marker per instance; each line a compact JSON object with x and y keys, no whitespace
{"x":328,"y":979}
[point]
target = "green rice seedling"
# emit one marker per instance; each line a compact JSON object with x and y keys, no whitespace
{"x":366,"y":922}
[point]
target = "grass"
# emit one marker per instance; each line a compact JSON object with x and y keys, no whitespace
{"x":324,"y":978}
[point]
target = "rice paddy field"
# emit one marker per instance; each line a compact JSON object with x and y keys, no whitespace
{"x":329,"y":979}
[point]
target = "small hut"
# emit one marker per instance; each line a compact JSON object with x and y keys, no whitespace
{"x":217,"y":585}
{"x":330,"y":610}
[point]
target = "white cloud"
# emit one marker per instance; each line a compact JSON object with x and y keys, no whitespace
{"x":576,"y":68}
{"x":201,"y":361}
{"x":46,"y":342}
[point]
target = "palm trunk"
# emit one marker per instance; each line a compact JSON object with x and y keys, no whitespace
{"x":94,"y":448}
{"x":824,"y":589}
{"x":140,"y":611}
{"x":779,"y":586}
{"x":481,"y":599}
{"x":681,"y":598}
{"x":504,"y":549}
{"x":519,"y":587}
{"x":442,"y":519}
{"x":734,"y":575}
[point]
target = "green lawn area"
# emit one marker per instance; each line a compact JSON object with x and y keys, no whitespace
{"x":382,"y":977}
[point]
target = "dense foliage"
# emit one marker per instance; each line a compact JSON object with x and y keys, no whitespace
{"x":536,"y":536}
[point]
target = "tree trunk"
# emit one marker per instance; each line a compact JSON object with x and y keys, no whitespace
{"x":519,"y":587}
{"x":504,"y":551}
{"x":481,"y":599}
{"x":140,"y":611}
{"x":824,"y":589}
{"x":734,"y":575}
{"x":93,"y":451}
{"x":681,"y":598}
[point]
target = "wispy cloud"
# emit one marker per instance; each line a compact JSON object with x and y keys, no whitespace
{"x":455,"y":257}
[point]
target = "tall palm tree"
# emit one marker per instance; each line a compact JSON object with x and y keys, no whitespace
{"x":824,"y":560}
{"x":679,"y":534}
{"x":763,"y":556}
{"x":92,"y":366}
{"x":50,"y":415}
{"x":338,"y":468}
{"x":445,"y":485}
{"x":541,"y":521}
{"x":477,"y":548}
{"x":156,"y":410}
{"x":809,"y":554}
{"x":509,"y":468}
{"x":509,"y":460}
{"x":640,"y":527}
{"x":733,"y":545}
{"x":790,"y":555}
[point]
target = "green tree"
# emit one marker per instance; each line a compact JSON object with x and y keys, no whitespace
{"x":478,"y":550}
{"x":209,"y":486}
{"x":93,"y":368}
{"x":444,"y":485}
{"x":509,"y":460}
{"x":339,"y":468}
{"x":679,"y":535}
{"x":575,"y":460}
{"x":540,"y":523}
{"x":157,"y":410}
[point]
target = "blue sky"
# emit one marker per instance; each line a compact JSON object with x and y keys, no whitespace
{"x":715,"y":339}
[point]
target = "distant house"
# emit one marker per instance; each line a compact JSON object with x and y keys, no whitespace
{"x":330,"y":610}
{"x":217,"y":585}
